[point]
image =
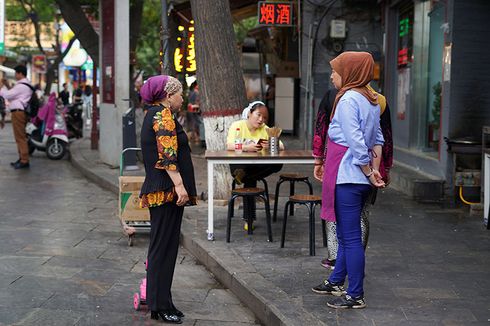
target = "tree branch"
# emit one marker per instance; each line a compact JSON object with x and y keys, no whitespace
{"x":30,"y":12}
{"x":62,"y":55}
{"x":73,"y":15}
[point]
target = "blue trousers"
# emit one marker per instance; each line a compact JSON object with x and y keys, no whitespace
{"x":349,"y":201}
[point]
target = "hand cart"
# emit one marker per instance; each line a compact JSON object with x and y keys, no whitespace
{"x":133,"y":218}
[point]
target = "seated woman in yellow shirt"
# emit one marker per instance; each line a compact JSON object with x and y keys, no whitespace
{"x":252,"y":129}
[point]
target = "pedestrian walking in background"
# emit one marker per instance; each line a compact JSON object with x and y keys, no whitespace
{"x":65,"y":95}
{"x":354,"y":154}
{"x":39,"y":93}
{"x":194,"y":120}
{"x":319,"y":152}
{"x":169,"y":185}
{"x":18,"y":97}
{"x":77,"y":95}
{"x":87,"y":104}
{"x":270,"y":98}
{"x":3,"y":104}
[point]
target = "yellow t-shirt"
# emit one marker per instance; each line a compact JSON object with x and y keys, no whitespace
{"x":246,"y":135}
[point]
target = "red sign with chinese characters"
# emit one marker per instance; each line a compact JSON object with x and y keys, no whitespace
{"x":275,"y":13}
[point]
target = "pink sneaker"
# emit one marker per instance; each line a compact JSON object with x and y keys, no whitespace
{"x":328,"y":264}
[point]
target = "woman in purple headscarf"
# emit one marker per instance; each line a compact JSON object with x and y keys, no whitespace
{"x":169,"y":186}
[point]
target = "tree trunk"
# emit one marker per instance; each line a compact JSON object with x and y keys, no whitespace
{"x":75,"y":18}
{"x":220,"y":78}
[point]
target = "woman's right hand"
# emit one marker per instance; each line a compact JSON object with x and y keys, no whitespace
{"x":318,"y":172}
{"x":182,"y":196}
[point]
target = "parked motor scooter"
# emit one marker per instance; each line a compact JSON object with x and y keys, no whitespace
{"x":47,"y":131}
{"x":74,"y":120}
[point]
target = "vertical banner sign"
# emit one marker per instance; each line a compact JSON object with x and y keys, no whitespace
{"x":108,"y":52}
{"x":2,"y":27}
{"x":275,"y":13}
{"x":405,"y":38}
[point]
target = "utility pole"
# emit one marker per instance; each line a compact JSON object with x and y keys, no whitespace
{"x":165,"y":35}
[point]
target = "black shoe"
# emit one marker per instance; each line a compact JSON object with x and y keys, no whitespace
{"x":178,"y":313}
{"x":347,"y":302}
{"x":328,"y":288}
{"x":13,"y":163}
{"x":20,"y":165}
{"x":167,"y":317}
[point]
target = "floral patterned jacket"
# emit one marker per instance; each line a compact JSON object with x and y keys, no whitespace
{"x":165,"y":147}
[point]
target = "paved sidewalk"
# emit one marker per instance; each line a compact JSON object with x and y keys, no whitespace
{"x":426,"y":265}
{"x":64,"y":260}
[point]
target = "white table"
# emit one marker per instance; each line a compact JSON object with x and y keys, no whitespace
{"x":262,"y":157}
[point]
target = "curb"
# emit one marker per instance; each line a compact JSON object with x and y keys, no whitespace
{"x":270,"y":304}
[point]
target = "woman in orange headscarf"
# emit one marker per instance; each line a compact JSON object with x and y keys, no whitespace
{"x":353,"y":155}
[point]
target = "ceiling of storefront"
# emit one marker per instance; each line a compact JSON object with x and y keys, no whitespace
{"x":240,"y":9}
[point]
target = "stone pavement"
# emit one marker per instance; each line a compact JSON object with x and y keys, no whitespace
{"x":64,"y":260}
{"x":426,"y":265}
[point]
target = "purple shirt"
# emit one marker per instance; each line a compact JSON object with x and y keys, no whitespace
{"x":18,"y":96}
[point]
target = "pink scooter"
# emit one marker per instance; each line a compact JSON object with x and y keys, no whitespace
{"x":47,"y":131}
{"x":139,"y":299}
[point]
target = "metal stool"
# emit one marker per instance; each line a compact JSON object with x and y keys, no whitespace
{"x":292,"y":178}
{"x":233,"y":186}
{"x":249,"y":192}
{"x":310,"y":202}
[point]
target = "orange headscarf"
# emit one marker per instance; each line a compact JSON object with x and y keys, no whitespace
{"x":356,"y":70}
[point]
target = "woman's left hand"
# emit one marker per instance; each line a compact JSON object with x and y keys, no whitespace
{"x":182,"y":196}
{"x":376,"y":179}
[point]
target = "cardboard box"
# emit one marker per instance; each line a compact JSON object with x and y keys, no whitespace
{"x":129,"y":190}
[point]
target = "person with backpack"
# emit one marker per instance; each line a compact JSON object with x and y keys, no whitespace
{"x":19,"y":98}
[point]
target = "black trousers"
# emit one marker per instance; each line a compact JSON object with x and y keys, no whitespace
{"x":162,"y":254}
{"x":252,"y":174}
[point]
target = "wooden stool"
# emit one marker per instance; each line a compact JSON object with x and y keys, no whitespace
{"x":233,"y":186}
{"x":310,"y":202}
{"x":249,"y":192}
{"x":292,"y":178}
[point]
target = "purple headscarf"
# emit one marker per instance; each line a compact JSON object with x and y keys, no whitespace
{"x":158,"y":87}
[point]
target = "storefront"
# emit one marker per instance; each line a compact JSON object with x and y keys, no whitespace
{"x":414,"y":73}
{"x":433,"y":51}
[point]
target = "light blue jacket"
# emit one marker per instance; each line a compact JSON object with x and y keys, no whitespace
{"x":355,"y":124}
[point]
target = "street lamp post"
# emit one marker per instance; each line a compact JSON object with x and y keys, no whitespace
{"x":58,"y":47}
{"x":94,"y":135}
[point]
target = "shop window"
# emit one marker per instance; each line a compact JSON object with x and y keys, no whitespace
{"x":405,"y":36}
{"x":434,"y":91}
{"x":404,"y":58}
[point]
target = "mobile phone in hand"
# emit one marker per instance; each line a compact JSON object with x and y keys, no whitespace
{"x":262,"y":141}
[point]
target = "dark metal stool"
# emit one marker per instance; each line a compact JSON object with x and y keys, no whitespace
{"x":292,"y":178}
{"x":310,"y":202}
{"x":233,"y":186}
{"x":249,"y":192}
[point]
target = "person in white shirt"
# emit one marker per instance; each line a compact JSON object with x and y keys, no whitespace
{"x":18,"y":97}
